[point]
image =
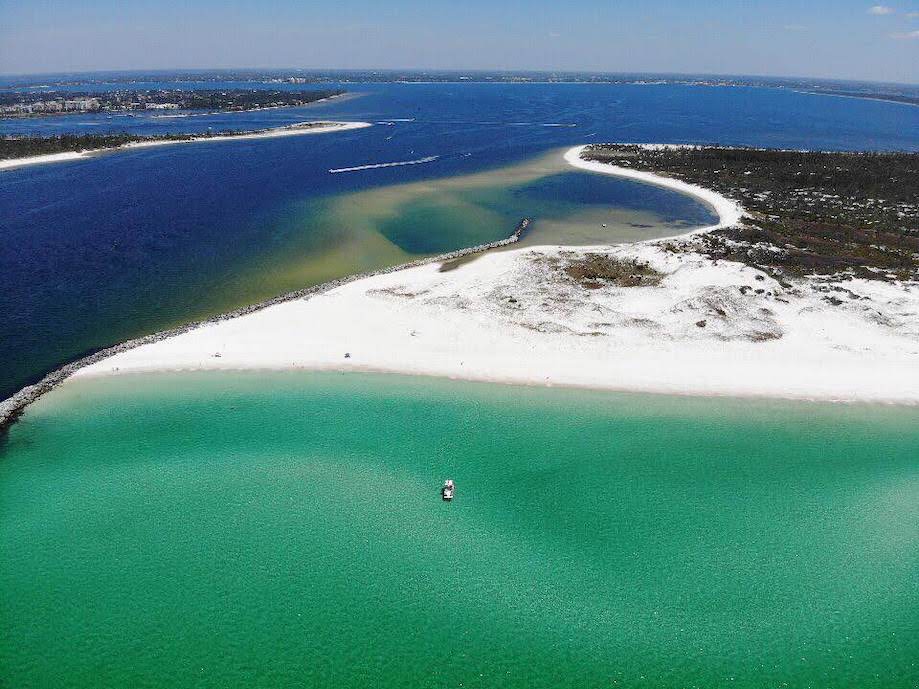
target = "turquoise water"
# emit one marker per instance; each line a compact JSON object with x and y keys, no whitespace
{"x":266,"y":530}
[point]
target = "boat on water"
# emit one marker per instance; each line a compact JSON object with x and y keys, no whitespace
{"x":448,"y":490}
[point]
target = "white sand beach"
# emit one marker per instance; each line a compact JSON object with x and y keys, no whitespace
{"x":298,"y":129}
{"x":49,"y":158}
{"x":707,"y":328}
{"x":729,"y":212}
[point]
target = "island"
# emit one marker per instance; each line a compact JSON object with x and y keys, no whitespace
{"x":57,"y":102}
{"x":17,"y":151}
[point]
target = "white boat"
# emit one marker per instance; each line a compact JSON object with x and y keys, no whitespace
{"x":447,"y":491}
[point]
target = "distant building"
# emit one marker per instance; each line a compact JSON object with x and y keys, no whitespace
{"x":81,"y":104}
{"x":48,"y":106}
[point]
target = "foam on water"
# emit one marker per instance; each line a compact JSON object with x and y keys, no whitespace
{"x":374,"y":166}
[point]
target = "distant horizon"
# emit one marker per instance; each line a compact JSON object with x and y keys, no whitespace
{"x":848,"y":40}
{"x":455,"y":70}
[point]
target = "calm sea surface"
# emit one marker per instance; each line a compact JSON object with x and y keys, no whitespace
{"x":97,"y":251}
{"x":285,"y":530}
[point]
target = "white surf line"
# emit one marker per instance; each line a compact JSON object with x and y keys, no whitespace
{"x":357,"y":168}
{"x":729,"y":212}
{"x":288,"y":130}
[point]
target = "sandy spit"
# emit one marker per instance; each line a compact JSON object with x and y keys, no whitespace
{"x":707,"y":328}
{"x":291,"y":130}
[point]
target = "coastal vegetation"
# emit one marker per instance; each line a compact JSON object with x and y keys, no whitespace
{"x":593,"y":271}
{"x":24,"y":146}
{"x":28,"y":104}
{"x":811,"y":213}
{"x":13,"y":147}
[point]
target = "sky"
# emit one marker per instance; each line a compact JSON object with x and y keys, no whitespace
{"x":845,"y":39}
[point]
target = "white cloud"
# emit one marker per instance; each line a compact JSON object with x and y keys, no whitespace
{"x":908,"y":36}
{"x":880,"y":10}
{"x":912,"y":15}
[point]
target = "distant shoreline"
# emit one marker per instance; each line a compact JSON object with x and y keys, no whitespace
{"x":191,"y":111}
{"x":298,"y":129}
{"x":879,"y":99}
{"x":208,"y":113}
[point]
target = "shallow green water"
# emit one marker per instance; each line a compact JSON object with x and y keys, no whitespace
{"x":269,"y":530}
{"x":322,"y":239}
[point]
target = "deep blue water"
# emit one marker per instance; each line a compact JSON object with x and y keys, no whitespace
{"x":641,"y":113}
{"x":101,"y":249}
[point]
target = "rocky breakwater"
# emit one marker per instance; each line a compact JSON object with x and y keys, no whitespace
{"x":12,"y":407}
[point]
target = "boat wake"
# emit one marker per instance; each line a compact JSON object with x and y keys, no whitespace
{"x":358,"y":168}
